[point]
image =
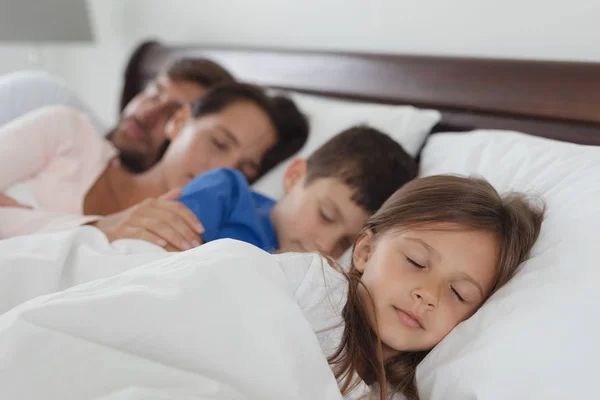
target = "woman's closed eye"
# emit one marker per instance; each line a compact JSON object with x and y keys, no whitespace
{"x":220,"y":145}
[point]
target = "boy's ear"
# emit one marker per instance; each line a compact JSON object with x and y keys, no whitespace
{"x":294,"y":173}
{"x":362,"y":250}
{"x":177,"y":121}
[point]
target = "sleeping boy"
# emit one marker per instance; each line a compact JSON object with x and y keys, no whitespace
{"x":328,"y":197}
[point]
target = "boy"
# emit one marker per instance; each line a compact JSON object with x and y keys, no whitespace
{"x":328,"y":197}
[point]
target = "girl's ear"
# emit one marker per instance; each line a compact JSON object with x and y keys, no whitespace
{"x":177,"y":121}
{"x":294,"y":173}
{"x":362,"y":250}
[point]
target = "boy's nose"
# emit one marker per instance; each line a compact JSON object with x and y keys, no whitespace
{"x":326,"y":244}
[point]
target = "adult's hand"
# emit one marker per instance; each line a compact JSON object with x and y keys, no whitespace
{"x":6,"y":201}
{"x":161,"y":221}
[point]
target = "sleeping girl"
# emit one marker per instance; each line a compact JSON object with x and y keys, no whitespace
{"x":426,"y":261}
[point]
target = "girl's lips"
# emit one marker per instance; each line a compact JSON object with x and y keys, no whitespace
{"x":407,"y":319}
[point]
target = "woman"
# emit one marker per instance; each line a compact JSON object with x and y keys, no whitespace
{"x":70,"y":172}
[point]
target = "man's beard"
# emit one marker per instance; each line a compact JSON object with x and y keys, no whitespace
{"x":134,"y":161}
{"x":137,"y":162}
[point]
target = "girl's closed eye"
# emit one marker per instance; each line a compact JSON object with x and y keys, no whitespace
{"x":414,"y":263}
{"x":457,"y":294}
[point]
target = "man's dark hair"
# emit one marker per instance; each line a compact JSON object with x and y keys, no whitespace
{"x":201,"y":71}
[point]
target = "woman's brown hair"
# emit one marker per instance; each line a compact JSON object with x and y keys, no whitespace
{"x":471,"y":204}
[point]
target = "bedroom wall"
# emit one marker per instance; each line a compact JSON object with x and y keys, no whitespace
{"x":532,"y":29}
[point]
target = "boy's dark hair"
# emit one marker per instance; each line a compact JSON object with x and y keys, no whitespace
{"x":201,"y":71}
{"x":293,"y":128}
{"x":291,"y":125}
{"x":369,"y":161}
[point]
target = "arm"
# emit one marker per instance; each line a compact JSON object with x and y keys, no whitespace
{"x":211,"y":197}
{"x":31,"y":142}
{"x":214,"y":196}
{"x":23,"y":221}
{"x":162,"y":221}
{"x":7,"y":201}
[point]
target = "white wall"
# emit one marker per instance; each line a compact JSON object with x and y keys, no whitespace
{"x":532,"y":29}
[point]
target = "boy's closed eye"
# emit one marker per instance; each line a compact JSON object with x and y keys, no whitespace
{"x":326,"y":215}
{"x":329,"y":210}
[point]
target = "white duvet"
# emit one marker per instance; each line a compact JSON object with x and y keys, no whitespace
{"x":204,"y":324}
{"x":35,"y":265}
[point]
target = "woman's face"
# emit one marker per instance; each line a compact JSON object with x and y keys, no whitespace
{"x":236,"y":137}
{"x":424,"y":282}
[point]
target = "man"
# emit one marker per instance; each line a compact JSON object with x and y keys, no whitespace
{"x":139,"y":135}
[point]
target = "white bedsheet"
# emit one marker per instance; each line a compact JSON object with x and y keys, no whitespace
{"x":216,"y":322}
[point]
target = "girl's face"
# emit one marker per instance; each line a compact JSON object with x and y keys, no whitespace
{"x":423,"y":282}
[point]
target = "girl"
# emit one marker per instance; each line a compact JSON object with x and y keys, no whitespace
{"x":436,"y":250}
{"x":426,"y":261}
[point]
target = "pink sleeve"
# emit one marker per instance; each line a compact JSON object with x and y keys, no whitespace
{"x":19,"y":221}
{"x":30,"y":142}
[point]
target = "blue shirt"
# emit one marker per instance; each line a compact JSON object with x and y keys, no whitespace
{"x":228,"y":208}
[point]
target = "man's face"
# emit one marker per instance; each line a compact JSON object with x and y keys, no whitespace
{"x":140,"y":134}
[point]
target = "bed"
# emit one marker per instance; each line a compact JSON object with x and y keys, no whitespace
{"x":517,"y":123}
{"x":520,"y":124}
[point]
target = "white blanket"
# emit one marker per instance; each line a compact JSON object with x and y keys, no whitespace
{"x":35,"y":265}
{"x":216,"y":322}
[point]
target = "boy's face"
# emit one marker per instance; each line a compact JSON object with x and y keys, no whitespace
{"x":320,"y":216}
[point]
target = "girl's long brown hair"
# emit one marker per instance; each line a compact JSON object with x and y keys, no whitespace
{"x":470,"y":203}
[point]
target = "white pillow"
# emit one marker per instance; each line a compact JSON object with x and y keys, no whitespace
{"x":538,"y":337}
{"x":408,"y":125}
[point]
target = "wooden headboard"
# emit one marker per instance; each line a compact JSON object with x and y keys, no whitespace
{"x":559,"y":100}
